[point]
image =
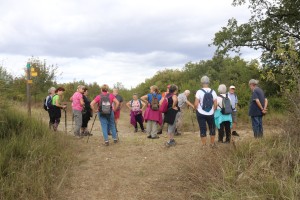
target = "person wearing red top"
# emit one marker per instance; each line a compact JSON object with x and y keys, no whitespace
{"x":106,"y":120}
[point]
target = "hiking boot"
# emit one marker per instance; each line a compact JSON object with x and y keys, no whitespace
{"x":159,"y":132}
{"x":116,"y":141}
{"x":144,"y":131}
{"x":170,"y":143}
{"x":155,"y":137}
{"x":220,"y":141}
{"x":106,"y":143}
{"x":109,"y":133}
{"x":135,"y":130}
{"x":149,"y":136}
{"x":235,"y":133}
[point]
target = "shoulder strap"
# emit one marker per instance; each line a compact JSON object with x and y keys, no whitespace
{"x":203,"y":90}
{"x":140,"y":101}
{"x":211,"y":91}
{"x":131,"y":102}
{"x":221,"y":96}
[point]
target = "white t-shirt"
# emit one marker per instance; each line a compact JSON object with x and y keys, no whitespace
{"x":199,"y":95}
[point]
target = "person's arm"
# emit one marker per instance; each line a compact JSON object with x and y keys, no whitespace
{"x":215,"y":104}
{"x":175,"y":100}
{"x":117,"y":103}
{"x":190,"y":104}
{"x":196,"y":103}
{"x":145,"y":98}
{"x":93,"y":103}
{"x":58,"y":104}
{"x":143,"y":105}
{"x":82,"y":101}
{"x":128,"y":104}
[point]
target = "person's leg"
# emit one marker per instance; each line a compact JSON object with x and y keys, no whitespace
{"x":171,"y":131}
{"x":162,"y":125}
{"x":260,"y":127}
{"x":211,"y":126}
{"x":112,"y":126}
{"x":154,"y":126}
{"x":104,"y":125}
{"x":227,"y":130}
{"x":116,"y":117}
{"x":78,"y":122}
{"x":255,"y":126}
{"x":221,"y":132}
{"x":202,"y":126}
{"x":139,"y":119}
{"x":179,"y":123}
{"x":149,"y":128}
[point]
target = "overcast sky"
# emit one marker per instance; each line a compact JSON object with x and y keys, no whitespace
{"x":111,"y":41}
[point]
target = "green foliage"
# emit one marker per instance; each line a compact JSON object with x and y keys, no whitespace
{"x":33,"y":160}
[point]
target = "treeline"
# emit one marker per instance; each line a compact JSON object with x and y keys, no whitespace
{"x":226,"y":70}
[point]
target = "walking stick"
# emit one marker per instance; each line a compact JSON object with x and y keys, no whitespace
{"x":193,"y":122}
{"x":91,"y":128}
{"x":65,"y":120}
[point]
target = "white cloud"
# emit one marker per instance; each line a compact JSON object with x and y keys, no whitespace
{"x":111,"y":40}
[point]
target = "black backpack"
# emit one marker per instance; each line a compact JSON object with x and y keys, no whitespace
{"x":47,"y":104}
{"x":154,"y":103}
{"x":208,"y":101}
{"x":226,"y":108}
{"x":105,"y":106}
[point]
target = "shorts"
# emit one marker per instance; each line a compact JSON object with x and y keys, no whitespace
{"x":234,"y":117}
{"x":117,"y":114}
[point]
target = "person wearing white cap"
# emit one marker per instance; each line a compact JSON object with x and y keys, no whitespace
{"x":234,"y":101}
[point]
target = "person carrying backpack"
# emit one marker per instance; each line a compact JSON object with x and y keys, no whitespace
{"x":48,"y":106}
{"x":222,"y":115}
{"x":86,"y":114}
{"x":106,"y":112}
{"x":152,"y":114}
{"x":77,"y":107}
{"x":205,"y":105}
{"x":234,"y":100}
{"x":57,"y":106}
{"x":136,"y":107}
{"x":172,"y":113}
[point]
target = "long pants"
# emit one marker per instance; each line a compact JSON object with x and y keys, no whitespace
{"x":179,"y":122}
{"x":224,"y":126}
{"x":257,"y":126}
{"x":108,"y":121}
{"x":139,"y":119}
{"x":202,"y":120}
{"x":152,"y":128}
{"x":78,"y":121}
{"x":51,"y":116}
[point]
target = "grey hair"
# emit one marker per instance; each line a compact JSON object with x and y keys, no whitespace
{"x":205,"y":80}
{"x":51,"y":89}
{"x":80,"y":87}
{"x":222,"y":89}
{"x":187,"y":92}
{"x":253,"y":81}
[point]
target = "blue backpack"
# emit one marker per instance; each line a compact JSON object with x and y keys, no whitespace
{"x":208,"y":101}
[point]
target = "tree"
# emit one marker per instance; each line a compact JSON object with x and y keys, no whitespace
{"x":272,"y":23}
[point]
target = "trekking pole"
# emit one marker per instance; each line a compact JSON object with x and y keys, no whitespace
{"x":193,"y":121}
{"x":65,"y":120}
{"x":87,"y":141}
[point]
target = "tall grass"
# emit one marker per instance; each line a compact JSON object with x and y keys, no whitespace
{"x":257,"y":169}
{"x":33,"y":160}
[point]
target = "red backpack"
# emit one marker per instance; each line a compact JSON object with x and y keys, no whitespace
{"x":163,"y":108}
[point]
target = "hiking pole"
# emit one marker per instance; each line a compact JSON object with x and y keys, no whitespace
{"x":193,"y":122}
{"x":87,"y":141}
{"x":65,"y":120}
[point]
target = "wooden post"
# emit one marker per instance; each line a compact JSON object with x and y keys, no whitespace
{"x":28,"y":89}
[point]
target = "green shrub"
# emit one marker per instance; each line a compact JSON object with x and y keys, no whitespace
{"x":33,"y":160}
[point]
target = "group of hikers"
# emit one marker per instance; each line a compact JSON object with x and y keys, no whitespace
{"x":212,"y":110}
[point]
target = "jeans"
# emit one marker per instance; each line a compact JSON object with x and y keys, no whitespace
{"x":257,"y":126}
{"x":202,"y":120}
{"x":108,"y":121}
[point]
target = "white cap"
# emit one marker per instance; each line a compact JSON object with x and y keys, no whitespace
{"x":232,"y":87}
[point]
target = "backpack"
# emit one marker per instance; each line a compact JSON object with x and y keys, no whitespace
{"x":48,"y":104}
{"x":226,"y":108}
{"x":164,"y":105}
{"x":105,"y":105}
{"x":208,"y":101}
{"x":154,"y":103}
{"x":140,"y":102}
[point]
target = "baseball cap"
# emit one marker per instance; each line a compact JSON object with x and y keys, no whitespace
{"x":232,"y":87}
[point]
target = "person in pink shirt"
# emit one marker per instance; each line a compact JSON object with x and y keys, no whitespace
{"x":77,"y":107}
{"x":105,"y":111}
